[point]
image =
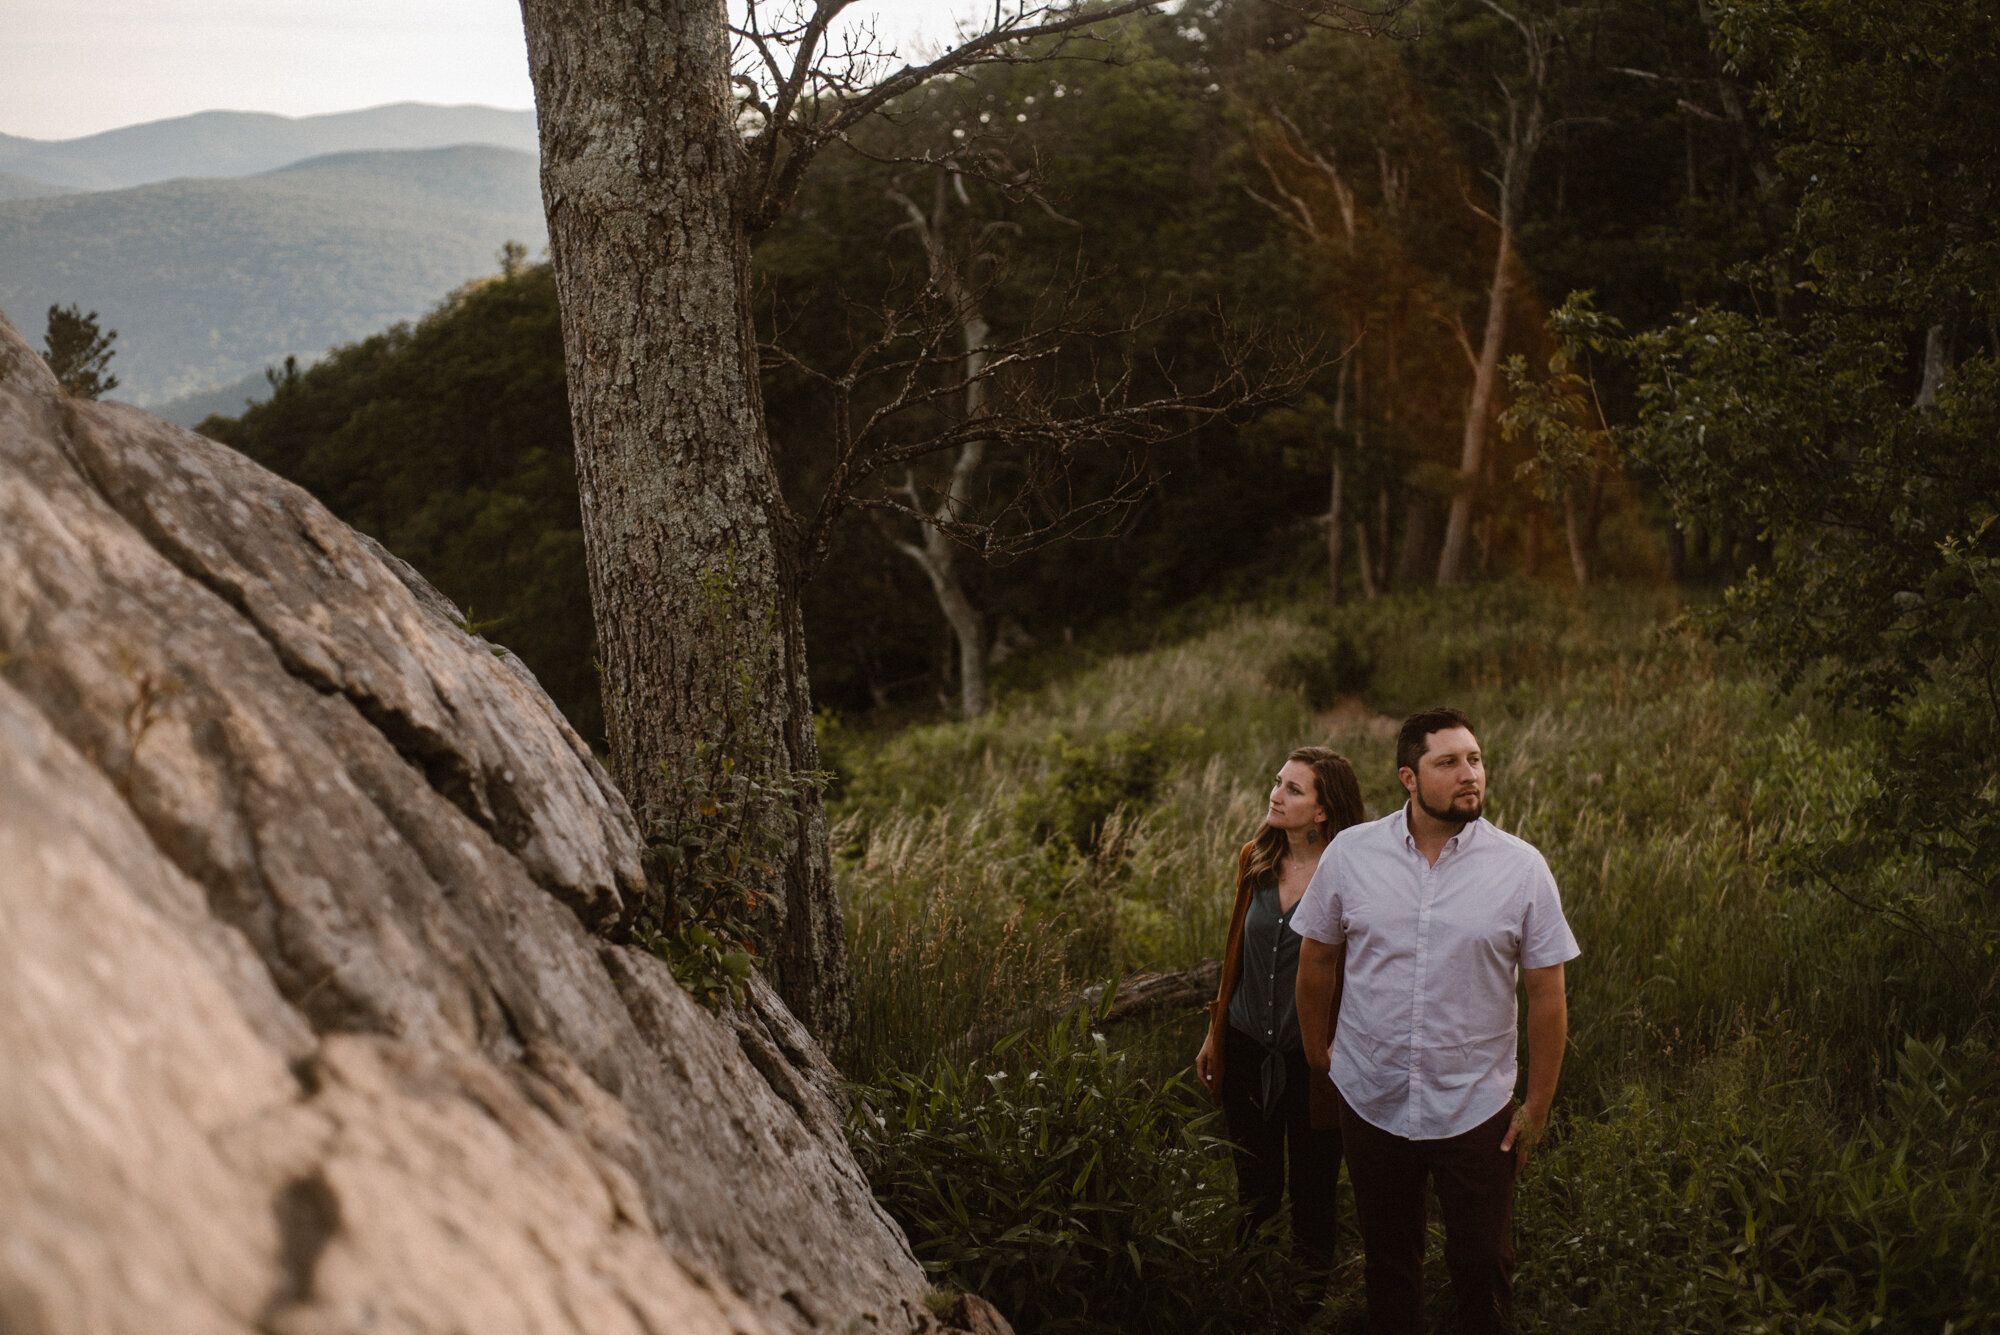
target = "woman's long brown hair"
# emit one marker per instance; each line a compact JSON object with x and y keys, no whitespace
{"x":1339,"y":795}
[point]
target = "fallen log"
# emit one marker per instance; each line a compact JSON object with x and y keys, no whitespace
{"x":1143,"y":994}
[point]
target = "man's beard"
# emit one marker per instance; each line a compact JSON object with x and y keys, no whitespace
{"x":1452,"y":814}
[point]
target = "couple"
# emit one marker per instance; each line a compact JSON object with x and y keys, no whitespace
{"x":1396,"y":1042}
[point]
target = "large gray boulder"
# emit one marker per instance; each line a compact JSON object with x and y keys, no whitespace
{"x":303,"y":1027}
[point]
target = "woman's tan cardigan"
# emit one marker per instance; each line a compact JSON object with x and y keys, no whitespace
{"x":1319,"y":1089}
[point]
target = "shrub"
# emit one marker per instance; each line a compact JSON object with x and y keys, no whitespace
{"x":1323,"y":671}
{"x":1091,"y":780}
{"x":1076,"y":1195}
{"x":1743,"y":1204}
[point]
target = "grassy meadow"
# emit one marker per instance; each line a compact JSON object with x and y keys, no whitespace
{"x":1776,"y":1112}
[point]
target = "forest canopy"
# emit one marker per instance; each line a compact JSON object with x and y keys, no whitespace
{"x":1719,"y":177}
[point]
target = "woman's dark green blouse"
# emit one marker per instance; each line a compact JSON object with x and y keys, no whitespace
{"x":1264,"y":1008}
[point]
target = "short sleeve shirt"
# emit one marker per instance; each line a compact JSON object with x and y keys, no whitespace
{"x":1426,"y":1043}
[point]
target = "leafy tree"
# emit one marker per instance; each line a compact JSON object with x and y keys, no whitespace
{"x":78,"y":352}
{"x":1854,"y":431}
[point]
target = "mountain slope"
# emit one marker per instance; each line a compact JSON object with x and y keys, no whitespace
{"x":13,"y":185}
{"x":209,"y":280}
{"x":241,"y":143}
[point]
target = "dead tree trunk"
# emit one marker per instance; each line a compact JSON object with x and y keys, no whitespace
{"x":649,"y":242}
{"x":1518,"y":142}
{"x":935,"y":553}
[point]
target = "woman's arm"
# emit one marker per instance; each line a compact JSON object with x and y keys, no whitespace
{"x":1208,"y":1062}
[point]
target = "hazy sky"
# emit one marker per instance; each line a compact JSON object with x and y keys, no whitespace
{"x":74,"y":67}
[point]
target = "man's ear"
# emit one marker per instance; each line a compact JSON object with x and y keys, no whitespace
{"x":1409,"y":779}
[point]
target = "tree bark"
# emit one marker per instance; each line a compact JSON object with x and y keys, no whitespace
{"x":641,"y":168}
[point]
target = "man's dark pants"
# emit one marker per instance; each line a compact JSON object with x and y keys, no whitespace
{"x":1475,"y":1189}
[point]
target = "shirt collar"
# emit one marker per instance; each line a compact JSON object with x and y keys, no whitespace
{"x":1460,"y":841}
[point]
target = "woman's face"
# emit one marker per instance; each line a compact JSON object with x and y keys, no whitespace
{"x":1294,"y":800}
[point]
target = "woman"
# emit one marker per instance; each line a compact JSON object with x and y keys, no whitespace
{"x":1253,"y":1062}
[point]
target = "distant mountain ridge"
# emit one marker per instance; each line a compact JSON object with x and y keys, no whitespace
{"x":207,"y":281}
{"x":13,"y":185}
{"x":242,"y":143}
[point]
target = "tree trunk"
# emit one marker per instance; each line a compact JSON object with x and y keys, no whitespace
{"x":1368,"y":589}
{"x":1419,"y":540}
{"x":1936,"y":363}
{"x":1333,"y":538}
{"x":1333,"y":510}
{"x":1593,"y":510}
{"x":938,"y":560}
{"x":1485,"y":375}
{"x":936,"y":555}
{"x":674,"y":470}
{"x":1382,"y":534}
{"x":1579,"y":565}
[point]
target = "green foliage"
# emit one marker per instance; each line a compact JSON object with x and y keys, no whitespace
{"x":1054,"y":1179}
{"x":1852,"y":425}
{"x":1886,"y":127}
{"x":1560,"y":413}
{"x":941,"y":959}
{"x":1776,"y":1111}
{"x":1323,"y":672}
{"x":1741,"y":1204}
{"x":1091,"y":782}
{"x":710,"y":848}
{"x":78,"y":353}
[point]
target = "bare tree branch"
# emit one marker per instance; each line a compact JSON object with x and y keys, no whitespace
{"x":818,"y":96}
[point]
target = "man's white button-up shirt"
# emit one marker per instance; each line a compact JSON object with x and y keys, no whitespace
{"x":1425,"y":1046}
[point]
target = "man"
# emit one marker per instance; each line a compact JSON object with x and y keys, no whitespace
{"x":1415,"y":927}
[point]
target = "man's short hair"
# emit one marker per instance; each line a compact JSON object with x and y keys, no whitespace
{"x":1414,"y":739}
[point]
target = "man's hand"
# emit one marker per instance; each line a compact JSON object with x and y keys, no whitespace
{"x":1524,"y":1133}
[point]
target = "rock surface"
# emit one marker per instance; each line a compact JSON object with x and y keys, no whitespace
{"x":302,"y":1025}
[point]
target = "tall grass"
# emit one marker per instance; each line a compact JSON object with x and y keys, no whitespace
{"x":1740,"y":1033}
